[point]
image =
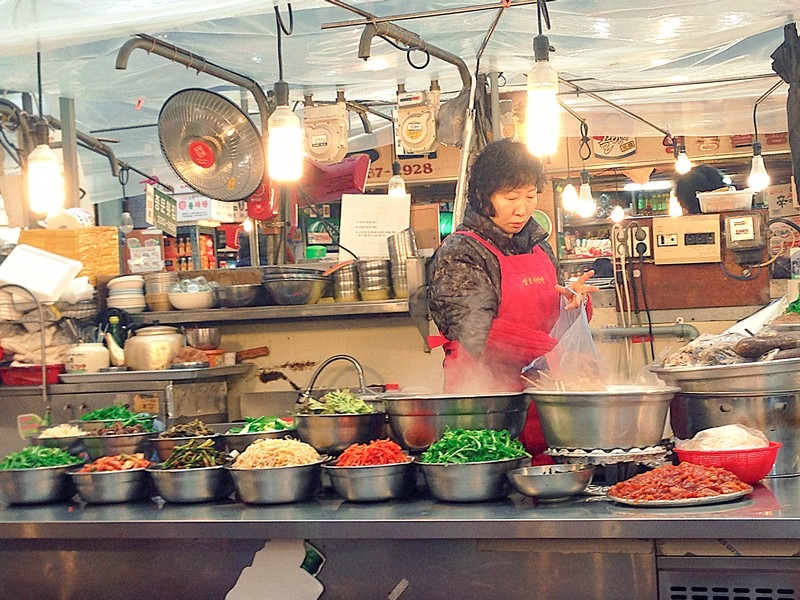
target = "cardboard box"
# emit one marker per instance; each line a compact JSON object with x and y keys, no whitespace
{"x":96,"y":247}
{"x":425,"y":223}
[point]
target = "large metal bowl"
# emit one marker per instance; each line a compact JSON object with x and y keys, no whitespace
{"x":292,"y":288}
{"x":418,"y":420}
{"x":32,"y":486}
{"x":106,"y":487}
{"x":110,"y":445}
{"x":551,"y":483}
{"x":165,"y":446}
{"x":331,"y":434}
{"x":235,"y":296}
{"x":373,"y":482}
{"x":277,"y":485}
{"x":203,"y":338}
{"x":240,"y":441}
{"x":621,"y":416}
{"x":192,"y":485}
{"x":470,"y":482}
{"x":771,"y":376}
{"x":72,"y":444}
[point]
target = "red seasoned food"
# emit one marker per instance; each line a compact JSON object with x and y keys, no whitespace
{"x":377,"y":452}
{"x":685,"y":481}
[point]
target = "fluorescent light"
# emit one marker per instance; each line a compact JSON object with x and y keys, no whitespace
{"x":662,"y":184}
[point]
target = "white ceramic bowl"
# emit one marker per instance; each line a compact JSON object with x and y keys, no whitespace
{"x":192,"y":300}
{"x":128,"y":282}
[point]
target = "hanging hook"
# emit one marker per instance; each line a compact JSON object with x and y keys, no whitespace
{"x":585,"y":148}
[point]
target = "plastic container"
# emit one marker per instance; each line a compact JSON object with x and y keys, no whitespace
{"x":711,"y":202}
{"x":30,"y":375}
{"x":44,"y":274}
{"x":750,"y":465}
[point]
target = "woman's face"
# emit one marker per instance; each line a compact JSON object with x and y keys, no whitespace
{"x":513,"y":208}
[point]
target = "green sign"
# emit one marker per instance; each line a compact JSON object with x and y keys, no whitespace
{"x":164,"y":212}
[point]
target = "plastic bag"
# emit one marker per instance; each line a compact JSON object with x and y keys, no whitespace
{"x":574,"y":363}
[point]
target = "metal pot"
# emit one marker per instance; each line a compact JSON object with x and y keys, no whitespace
{"x":777,"y":415}
{"x":153,"y":348}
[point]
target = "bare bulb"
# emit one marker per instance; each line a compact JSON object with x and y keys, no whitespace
{"x":683,"y":164}
{"x":759,"y":178}
{"x":586,"y":203}
{"x":675,"y":208}
{"x":569,"y":198}
{"x":125,"y":223}
{"x":617,"y":214}
{"x":542,"y":112}
{"x":247,"y":225}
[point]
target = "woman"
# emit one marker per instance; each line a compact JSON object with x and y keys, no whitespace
{"x":493,"y":293}
{"x":700,"y":178}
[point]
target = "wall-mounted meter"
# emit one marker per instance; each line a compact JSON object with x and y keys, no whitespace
{"x":746,"y":237}
{"x":686,"y":240}
{"x":415,"y":121}
{"x":326,"y":130}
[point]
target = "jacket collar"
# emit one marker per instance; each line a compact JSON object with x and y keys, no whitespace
{"x":519,"y":243}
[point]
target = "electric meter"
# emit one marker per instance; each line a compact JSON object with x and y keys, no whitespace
{"x":745,"y":236}
{"x":326,"y":128}
{"x":415,"y":121}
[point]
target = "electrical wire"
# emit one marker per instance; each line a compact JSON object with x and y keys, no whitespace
{"x":585,"y":148}
{"x":39,"y":80}
{"x":646,"y":308}
{"x":281,"y":28}
{"x":329,"y":227}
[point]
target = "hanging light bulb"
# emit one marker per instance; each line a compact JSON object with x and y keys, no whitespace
{"x":397,"y":185}
{"x":285,"y":146}
{"x":675,"y":208}
{"x":125,"y":223}
{"x":542,"y":111}
{"x":247,"y":224}
{"x":682,"y":162}
{"x":586,"y":204}
{"x":759,"y":178}
{"x":569,"y":198}
{"x":617,"y":214}
{"x":46,"y":193}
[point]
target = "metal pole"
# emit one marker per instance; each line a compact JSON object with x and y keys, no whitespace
{"x":497,"y":128}
{"x":69,"y":150}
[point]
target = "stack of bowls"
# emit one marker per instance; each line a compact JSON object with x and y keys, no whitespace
{"x":126,"y":293}
{"x":345,"y":282}
{"x":373,"y":279}
{"x":157,"y":286}
{"x":402,"y":246}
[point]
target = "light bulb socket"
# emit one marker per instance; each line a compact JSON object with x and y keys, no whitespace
{"x":40,"y":133}
{"x":756,"y":148}
{"x":395,"y":168}
{"x":541,"y":48}
{"x":584,"y":176}
{"x":281,"y":90}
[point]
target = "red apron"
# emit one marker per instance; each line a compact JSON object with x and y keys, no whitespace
{"x":528,"y":298}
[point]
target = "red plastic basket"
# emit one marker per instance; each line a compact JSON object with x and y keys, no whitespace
{"x":748,"y":465}
{"x":30,"y":375}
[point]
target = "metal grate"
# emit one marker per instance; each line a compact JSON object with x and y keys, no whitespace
{"x":700,"y":578}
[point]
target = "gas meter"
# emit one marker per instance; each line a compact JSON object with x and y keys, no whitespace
{"x":326,"y":129}
{"x":745,"y":236}
{"x":415,"y":120}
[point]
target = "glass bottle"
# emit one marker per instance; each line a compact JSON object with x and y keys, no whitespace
{"x":115,"y":329}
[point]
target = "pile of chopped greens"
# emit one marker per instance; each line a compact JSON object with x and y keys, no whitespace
{"x":260,"y":424}
{"x":473,"y":445}
{"x":794,"y":307}
{"x":33,"y":457}
{"x":339,"y":402}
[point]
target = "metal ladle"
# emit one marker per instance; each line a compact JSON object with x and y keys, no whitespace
{"x":302,"y":400}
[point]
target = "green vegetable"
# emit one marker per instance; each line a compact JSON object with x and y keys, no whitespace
{"x":116,"y":412}
{"x":39,"y":456}
{"x":794,"y":307}
{"x":473,"y":445}
{"x":339,"y":402}
{"x":259,"y":424}
{"x":194,"y":454}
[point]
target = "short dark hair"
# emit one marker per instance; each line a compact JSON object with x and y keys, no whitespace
{"x":700,"y":178}
{"x":502,"y":165}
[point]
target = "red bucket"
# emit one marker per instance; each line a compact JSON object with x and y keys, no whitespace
{"x":750,"y":465}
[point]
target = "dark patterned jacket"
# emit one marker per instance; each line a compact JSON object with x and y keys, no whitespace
{"x":464,"y":288}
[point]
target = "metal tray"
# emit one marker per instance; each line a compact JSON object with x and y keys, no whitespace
{"x":748,"y":378}
{"x":683,"y":502}
{"x":165,"y":375}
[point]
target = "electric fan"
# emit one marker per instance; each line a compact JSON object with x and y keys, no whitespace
{"x":211,"y":144}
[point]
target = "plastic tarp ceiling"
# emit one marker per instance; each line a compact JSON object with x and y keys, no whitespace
{"x":641,"y":54}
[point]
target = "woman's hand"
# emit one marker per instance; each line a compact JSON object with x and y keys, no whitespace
{"x":577,"y":291}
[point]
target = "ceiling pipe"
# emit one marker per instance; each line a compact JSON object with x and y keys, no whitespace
{"x":198,"y":63}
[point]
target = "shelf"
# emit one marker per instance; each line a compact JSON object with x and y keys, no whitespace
{"x":270,"y":313}
{"x":567,"y":261}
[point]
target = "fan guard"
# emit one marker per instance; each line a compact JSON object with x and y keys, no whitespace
{"x":211,"y":144}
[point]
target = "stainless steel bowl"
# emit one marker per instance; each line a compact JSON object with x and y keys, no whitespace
{"x":240,"y":441}
{"x":72,"y":444}
{"x":291,"y":288}
{"x":331,"y":434}
{"x":470,"y":482}
{"x":623,"y":416}
{"x":192,"y":485}
{"x":419,"y":420}
{"x":277,"y":485}
{"x":235,"y":296}
{"x":769,"y":376}
{"x":32,"y":486}
{"x":165,"y":446}
{"x":271,"y":270}
{"x":203,"y":338}
{"x":374,"y":482}
{"x":551,"y":483}
{"x":106,"y":487}
{"x":109,"y":445}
